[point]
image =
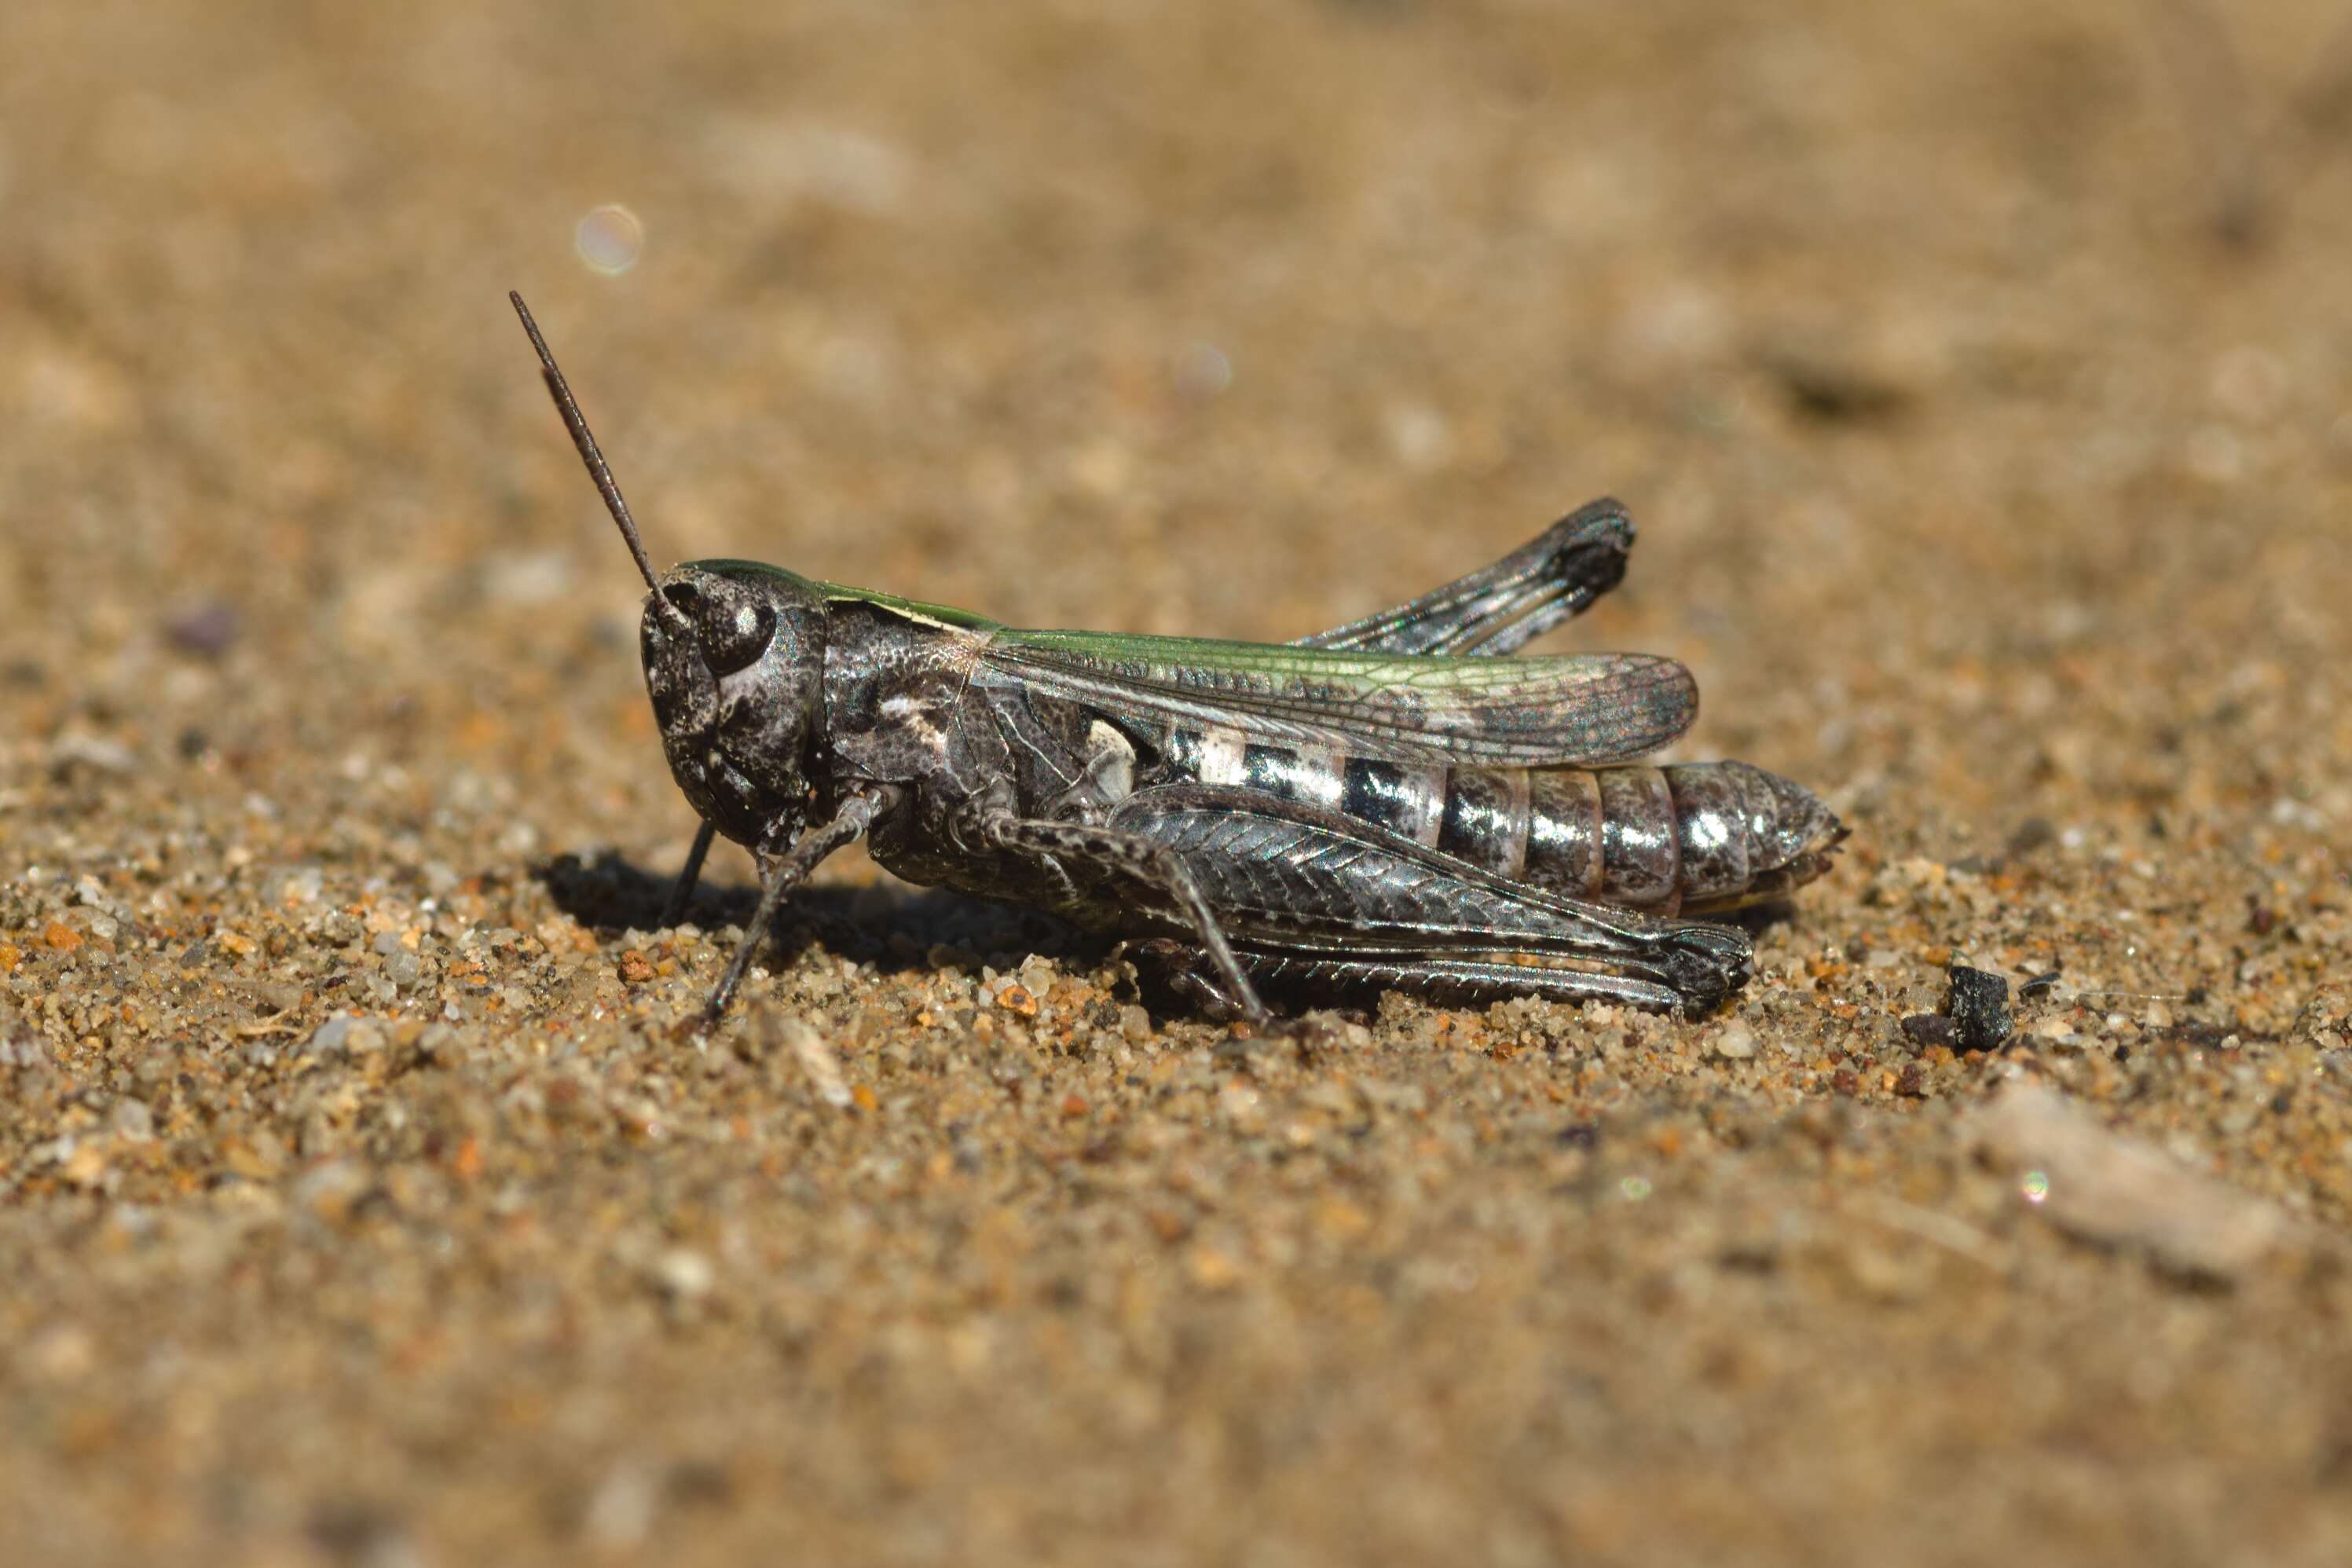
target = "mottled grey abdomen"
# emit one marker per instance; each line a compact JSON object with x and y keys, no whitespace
{"x":1694,"y":838}
{"x":1688,"y":839}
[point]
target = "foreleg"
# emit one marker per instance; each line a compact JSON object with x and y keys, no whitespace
{"x":782,"y":872}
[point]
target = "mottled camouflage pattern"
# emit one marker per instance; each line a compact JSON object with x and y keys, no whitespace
{"x":1387,"y":802}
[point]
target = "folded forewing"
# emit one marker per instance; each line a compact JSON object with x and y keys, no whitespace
{"x":1583,"y":710}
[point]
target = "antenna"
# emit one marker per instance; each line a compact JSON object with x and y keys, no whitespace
{"x":592,"y":455}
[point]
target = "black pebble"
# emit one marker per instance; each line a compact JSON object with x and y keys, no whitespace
{"x":1978,"y":1006}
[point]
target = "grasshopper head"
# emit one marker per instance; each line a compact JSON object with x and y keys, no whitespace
{"x":734,"y":656}
{"x":734,"y":661}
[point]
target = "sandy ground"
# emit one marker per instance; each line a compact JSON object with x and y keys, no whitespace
{"x":1983,"y":377}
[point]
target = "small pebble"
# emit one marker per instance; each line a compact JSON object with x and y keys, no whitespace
{"x":1924,"y":1029}
{"x":685,"y":1274}
{"x":1978,"y":1006}
{"x":818,"y":1060}
{"x":206,"y":629}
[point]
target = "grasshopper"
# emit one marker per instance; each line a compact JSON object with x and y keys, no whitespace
{"x":1385,"y":804}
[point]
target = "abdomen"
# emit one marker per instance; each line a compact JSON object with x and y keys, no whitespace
{"x":1691,"y":838}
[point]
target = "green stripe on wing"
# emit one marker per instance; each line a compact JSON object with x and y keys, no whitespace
{"x":1578,"y":710}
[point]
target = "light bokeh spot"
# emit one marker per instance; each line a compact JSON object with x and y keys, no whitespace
{"x":609,"y":238}
{"x":1203,"y":370}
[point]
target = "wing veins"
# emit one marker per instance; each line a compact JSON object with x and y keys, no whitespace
{"x":1416,"y":709}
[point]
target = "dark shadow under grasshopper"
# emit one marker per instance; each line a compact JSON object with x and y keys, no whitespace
{"x":894,"y":930}
{"x":1389,"y":805}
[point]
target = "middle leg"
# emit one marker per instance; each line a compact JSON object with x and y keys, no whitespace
{"x":1135,"y":858}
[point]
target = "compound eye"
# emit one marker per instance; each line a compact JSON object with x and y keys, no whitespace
{"x":735,"y":638}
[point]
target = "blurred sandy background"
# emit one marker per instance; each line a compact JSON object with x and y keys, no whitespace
{"x":1981,"y":376}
